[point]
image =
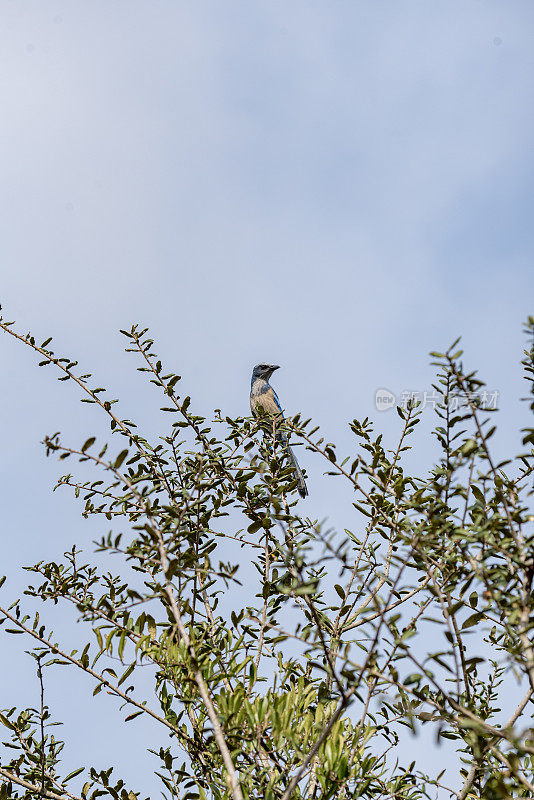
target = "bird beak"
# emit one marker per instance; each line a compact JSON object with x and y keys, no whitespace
{"x":275,"y":366}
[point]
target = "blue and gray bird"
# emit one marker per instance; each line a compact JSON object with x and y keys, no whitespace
{"x":263,"y":396}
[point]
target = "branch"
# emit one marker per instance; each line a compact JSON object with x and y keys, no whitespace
{"x":38,"y":791}
{"x":471,"y":775}
{"x":197,"y":674}
{"x":513,"y":771}
{"x":54,"y":649}
{"x":40,"y":674}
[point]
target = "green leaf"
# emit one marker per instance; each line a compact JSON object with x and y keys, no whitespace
{"x":469,"y":447}
{"x":133,"y":716}
{"x":120,"y":458}
{"x":473,"y":619}
{"x":254,"y":526}
{"x":7,"y":723}
{"x":89,"y":443}
{"x":478,"y":494}
{"x":126,"y":674}
{"x":73,"y":774}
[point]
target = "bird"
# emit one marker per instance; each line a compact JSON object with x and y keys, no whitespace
{"x":263,"y":396}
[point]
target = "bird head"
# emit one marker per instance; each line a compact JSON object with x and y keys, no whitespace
{"x":264,"y":370}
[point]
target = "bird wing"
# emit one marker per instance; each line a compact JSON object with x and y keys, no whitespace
{"x":277,"y":401}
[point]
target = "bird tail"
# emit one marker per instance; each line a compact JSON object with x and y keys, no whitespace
{"x":301,"y":485}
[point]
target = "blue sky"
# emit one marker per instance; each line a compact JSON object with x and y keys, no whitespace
{"x":336,"y":187}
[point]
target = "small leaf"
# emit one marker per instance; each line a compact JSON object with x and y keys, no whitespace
{"x":73,"y":774}
{"x":473,"y":619}
{"x":133,"y":716}
{"x":120,"y":458}
{"x":479,"y":495}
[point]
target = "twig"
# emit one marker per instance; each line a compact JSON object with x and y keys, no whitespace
{"x":31,"y":787}
{"x":197,"y":674}
{"x":55,"y":650}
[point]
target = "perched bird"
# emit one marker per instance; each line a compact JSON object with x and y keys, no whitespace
{"x":262,"y":395}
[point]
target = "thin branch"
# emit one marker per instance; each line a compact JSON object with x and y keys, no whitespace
{"x":55,"y":650}
{"x":513,"y":771}
{"x":40,"y":674}
{"x":265,"y":602}
{"x":31,"y":787}
{"x":197,"y":674}
{"x":477,"y":764}
{"x":332,"y":721}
